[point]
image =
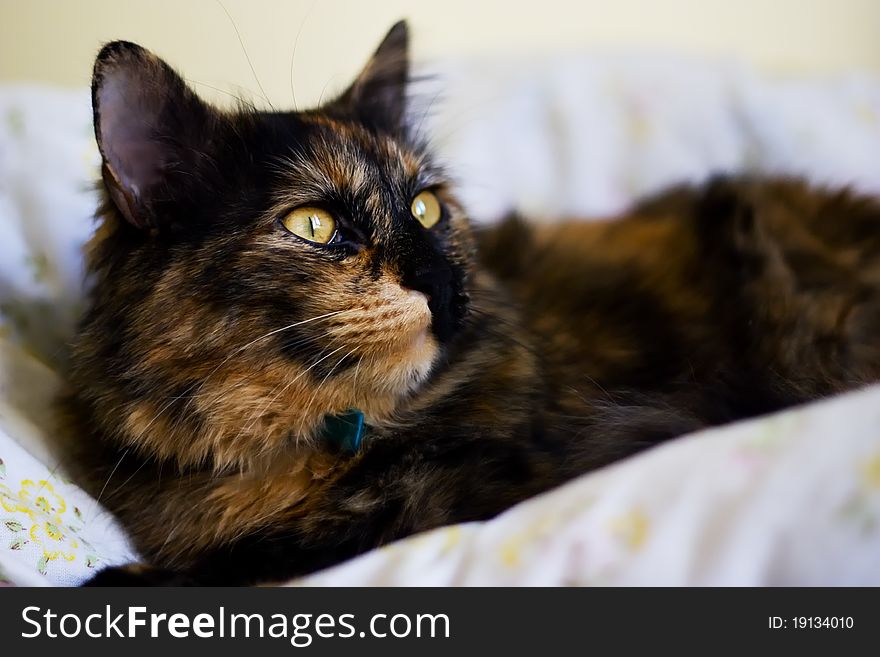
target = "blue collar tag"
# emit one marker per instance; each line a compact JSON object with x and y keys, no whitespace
{"x":346,"y":431}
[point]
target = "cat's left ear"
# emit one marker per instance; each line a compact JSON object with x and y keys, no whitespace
{"x":377,"y":97}
{"x":153,"y":132}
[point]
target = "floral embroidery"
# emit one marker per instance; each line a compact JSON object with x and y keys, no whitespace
{"x":512,"y":550}
{"x":41,"y":518}
{"x":858,"y":509}
{"x":871,"y":472}
{"x":632,"y":528}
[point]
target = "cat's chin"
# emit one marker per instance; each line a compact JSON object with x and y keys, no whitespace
{"x":404,"y":367}
{"x":413,"y":364}
{"x":422,"y":342}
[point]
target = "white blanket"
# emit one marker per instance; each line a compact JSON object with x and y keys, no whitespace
{"x":793,"y":498}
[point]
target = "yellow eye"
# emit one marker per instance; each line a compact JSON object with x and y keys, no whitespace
{"x":312,"y":224}
{"x":426,"y":208}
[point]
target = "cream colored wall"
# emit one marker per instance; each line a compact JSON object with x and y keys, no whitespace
{"x":55,"y":40}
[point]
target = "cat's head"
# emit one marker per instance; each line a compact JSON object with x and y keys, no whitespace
{"x":256,"y":271}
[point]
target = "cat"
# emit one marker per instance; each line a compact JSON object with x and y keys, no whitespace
{"x":297,"y":348}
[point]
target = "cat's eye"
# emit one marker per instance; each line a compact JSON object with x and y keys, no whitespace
{"x":426,"y":209}
{"x":312,"y":224}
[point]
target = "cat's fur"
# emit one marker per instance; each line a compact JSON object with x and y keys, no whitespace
{"x":490,"y":366}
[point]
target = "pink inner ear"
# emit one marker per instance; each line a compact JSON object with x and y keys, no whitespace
{"x":128,"y":121}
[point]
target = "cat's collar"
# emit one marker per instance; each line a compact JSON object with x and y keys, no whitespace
{"x":345,"y":431}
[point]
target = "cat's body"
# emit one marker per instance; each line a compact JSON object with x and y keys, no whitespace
{"x":489,"y":367}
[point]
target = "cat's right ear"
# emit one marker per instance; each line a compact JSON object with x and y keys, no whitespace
{"x":378,"y":94}
{"x":151,"y":129}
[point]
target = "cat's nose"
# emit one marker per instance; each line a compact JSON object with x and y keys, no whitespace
{"x":436,"y":282}
{"x":427,"y":280}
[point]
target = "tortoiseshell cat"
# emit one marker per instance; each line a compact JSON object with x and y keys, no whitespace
{"x":258,"y":275}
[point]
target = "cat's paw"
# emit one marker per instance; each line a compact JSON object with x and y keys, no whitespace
{"x":136,"y":574}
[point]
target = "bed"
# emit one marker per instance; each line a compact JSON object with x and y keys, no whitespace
{"x":788,"y":499}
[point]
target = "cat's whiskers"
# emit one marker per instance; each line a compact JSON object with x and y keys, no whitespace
{"x":599,"y":386}
{"x":324,"y":89}
{"x":293,"y":54}
{"x":417,"y":130}
{"x":220,"y":396}
{"x":246,"y":56}
{"x":223,"y":91}
{"x":313,"y":398}
{"x":133,"y":474}
{"x":357,"y":371}
{"x":110,"y":476}
{"x":286,"y":328}
{"x":234,"y":353}
{"x":168,"y":537}
{"x":258,"y":414}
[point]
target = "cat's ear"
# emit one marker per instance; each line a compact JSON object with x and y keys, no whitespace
{"x":151,"y":129}
{"x":377,"y":97}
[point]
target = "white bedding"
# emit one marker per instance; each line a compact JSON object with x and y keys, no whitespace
{"x":793,"y":498}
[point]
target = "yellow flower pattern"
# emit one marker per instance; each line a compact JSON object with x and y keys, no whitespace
{"x":871,"y":472}
{"x":40,"y":515}
{"x":860,"y":508}
{"x":631,"y":528}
